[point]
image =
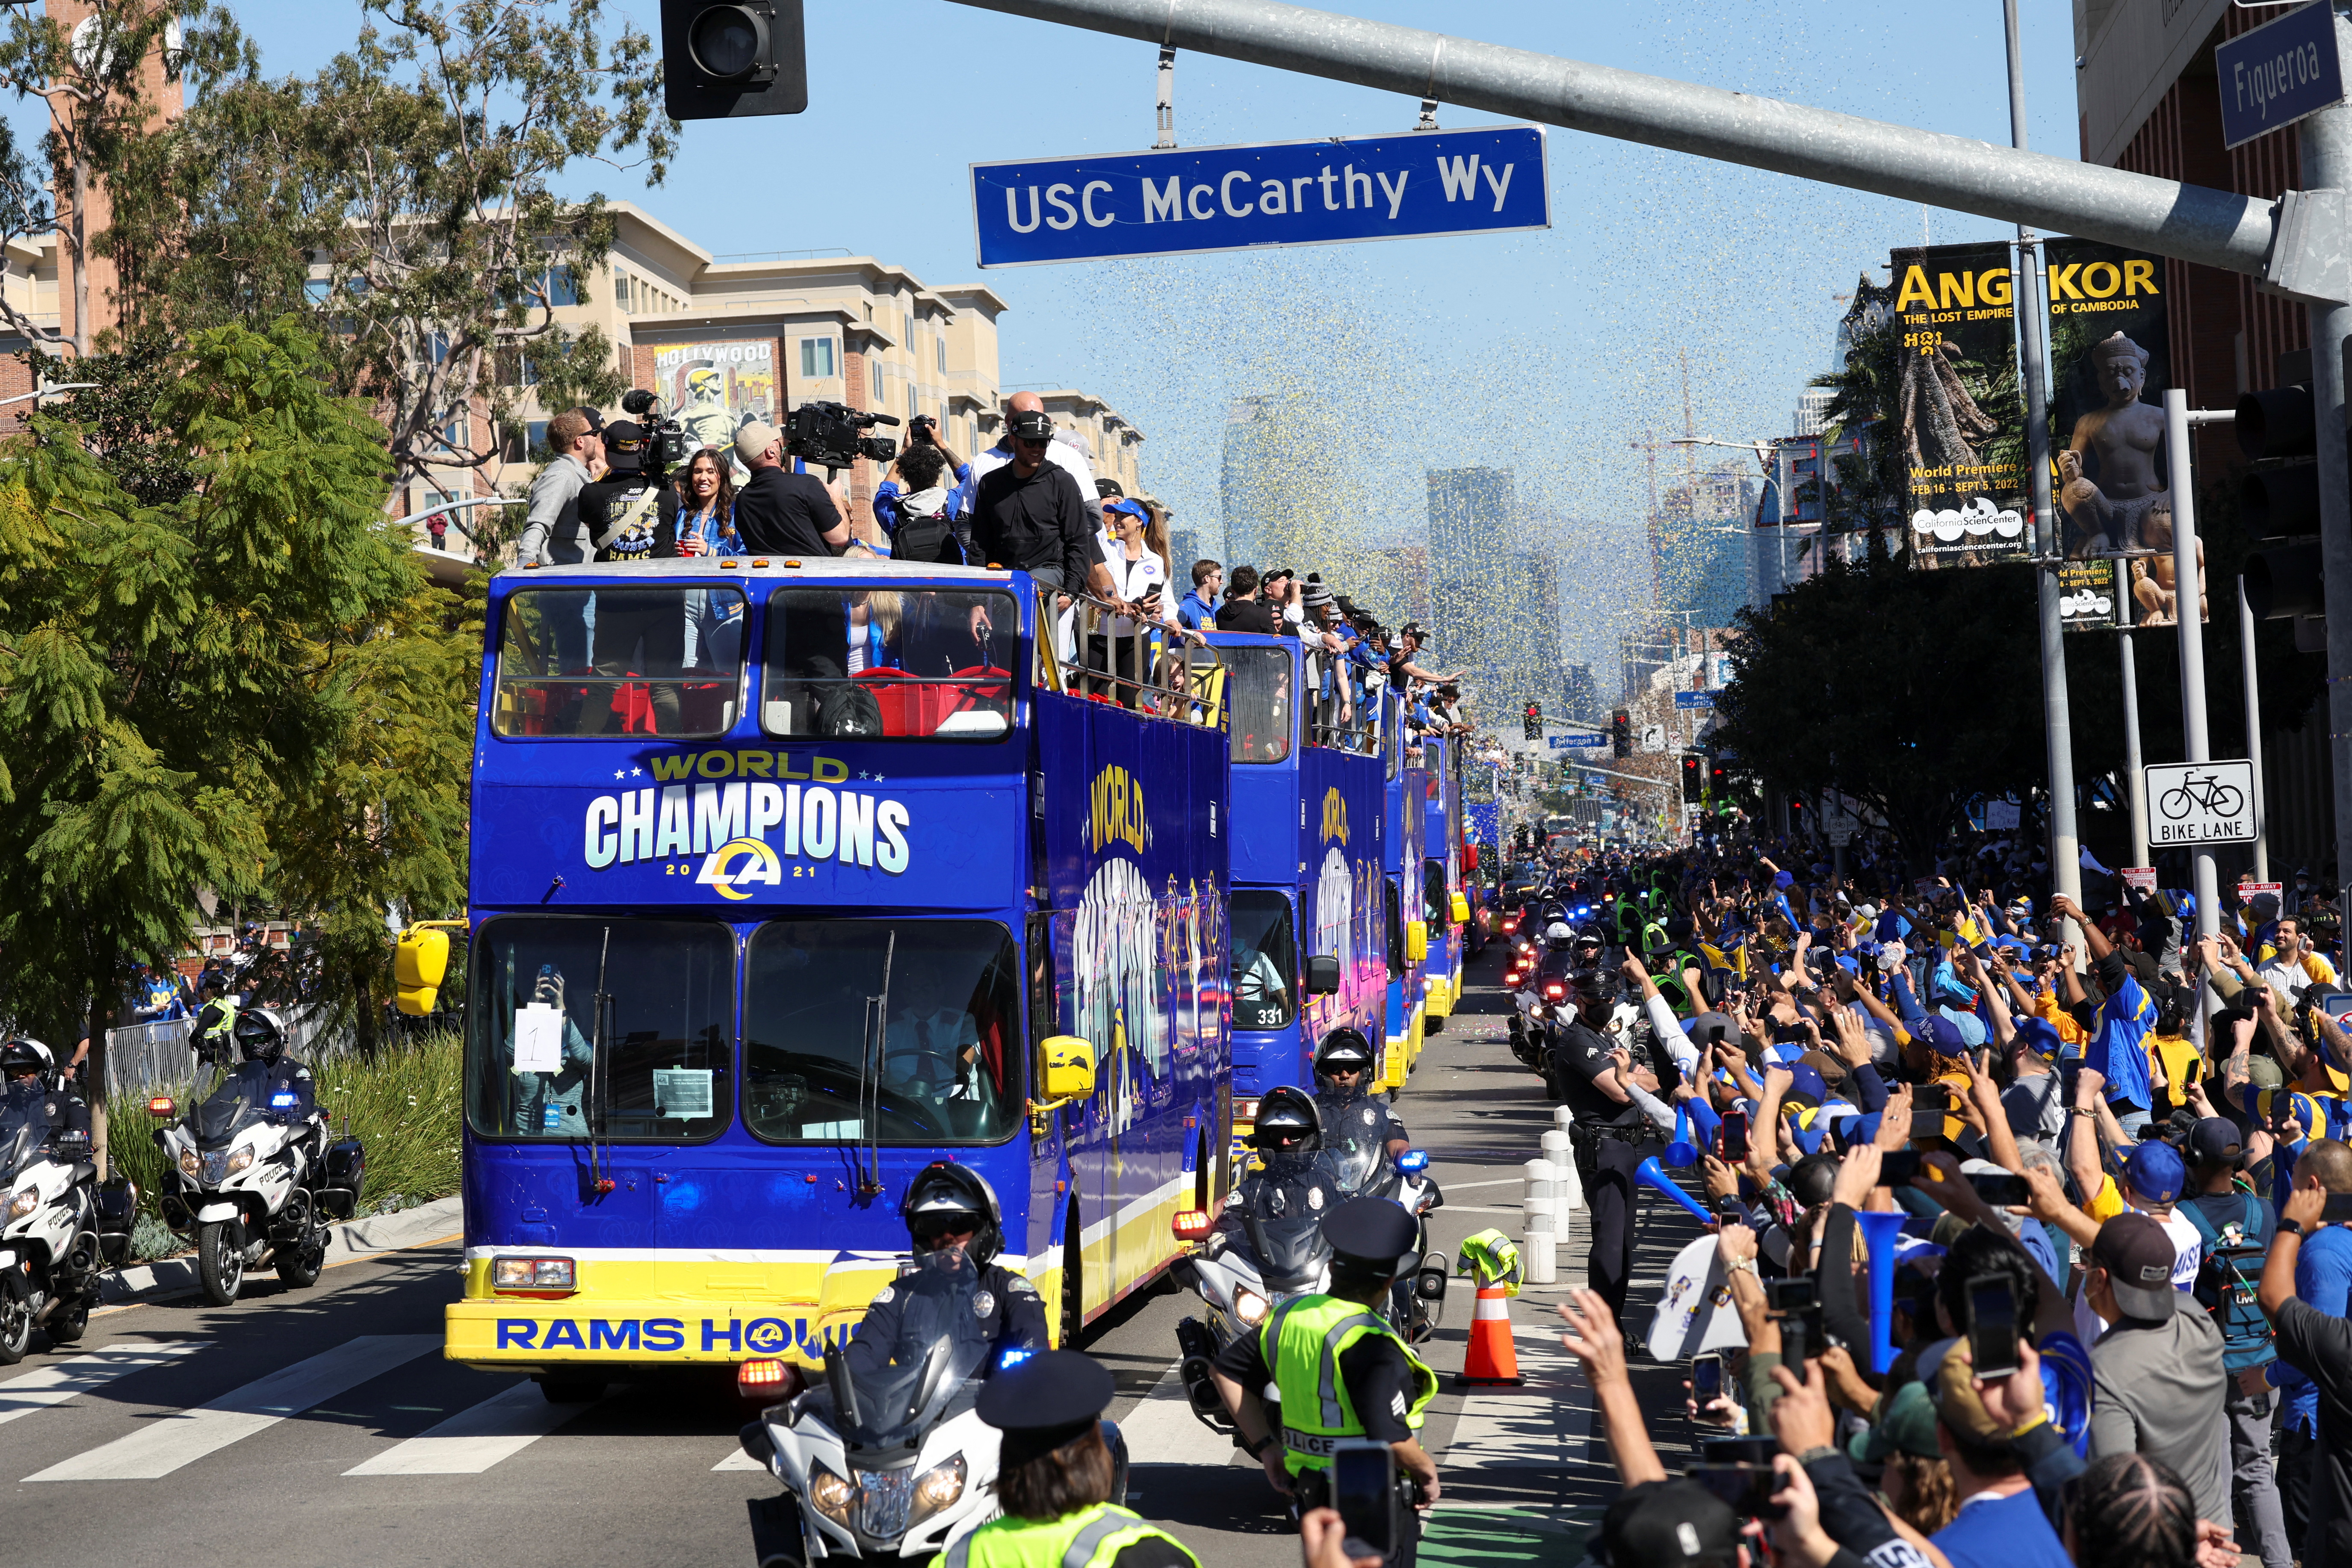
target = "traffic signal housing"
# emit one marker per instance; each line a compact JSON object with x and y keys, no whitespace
{"x":1533,"y":720}
{"x":1719,"y":778}
{"x":1693,"y":779}
{"x":725,"y":59}
{"x":1620,"y":734}
{"x":2279,"y":503}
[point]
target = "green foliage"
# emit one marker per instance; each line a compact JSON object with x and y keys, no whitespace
{"x":193,"y":686}
{"x":402,"y":1103}
{"x":1911,"y":691}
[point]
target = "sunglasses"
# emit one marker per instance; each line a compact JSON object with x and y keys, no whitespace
{"x":1041,"y":445}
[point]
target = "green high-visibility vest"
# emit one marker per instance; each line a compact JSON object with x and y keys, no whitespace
{"x":1090,"y":1538}
{"x":1302,"y":1343}
{"x":223,"y":1032}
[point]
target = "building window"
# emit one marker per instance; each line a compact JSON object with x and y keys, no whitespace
{"x":535,"y":437}
{"x":816,"y":357}
{"x":940,"y":341}
{"x":562,"y":286}
{"x":911,"y":409}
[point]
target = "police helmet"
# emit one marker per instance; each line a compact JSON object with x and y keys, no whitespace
{"x":1343,"y":1050}
{"x":1287,"y":1123}
{"x":948,"y":1199}
{"x":24,"y":1054}
{"x":261,"y":1034}
{"x":1557,"y":935}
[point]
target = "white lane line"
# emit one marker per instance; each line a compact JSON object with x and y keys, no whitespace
{"x":475,"y":1439}
{"x":739,"y":1460}
{"x":1465,"y":1186}
{"x":1541,"y":1426}
{"x":183,"y":1436}
{"x":1162,"y":1430}
{"x":61,"y":1380}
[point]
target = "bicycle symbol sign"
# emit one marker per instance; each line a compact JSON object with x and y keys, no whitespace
{"x":2201,"y":803}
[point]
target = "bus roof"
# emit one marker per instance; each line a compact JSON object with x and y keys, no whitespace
{"x":772,"y":568}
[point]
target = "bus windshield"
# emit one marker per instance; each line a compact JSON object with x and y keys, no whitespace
{"x":1258,"y":694}
{"x":638,"y":661}
{"x":942,"y":1038}
{"x":661,"y":1070}
{"x":1265,"y":961}
{"x":891,"y":663}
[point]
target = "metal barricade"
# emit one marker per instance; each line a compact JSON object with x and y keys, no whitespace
{"x":149,"y":1055}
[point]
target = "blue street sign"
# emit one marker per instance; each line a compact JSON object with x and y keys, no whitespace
{"x":1562,"y":742}
{"x":2278,"y":73}
{"x":1195,"y":199}
{"x":1694,"y":699}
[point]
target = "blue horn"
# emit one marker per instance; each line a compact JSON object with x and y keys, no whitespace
{"x":1681,"y":1151}
{"x":1650,"y":1173}
{"x":1879,"y":1229}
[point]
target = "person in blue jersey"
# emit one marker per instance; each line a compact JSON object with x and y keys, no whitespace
{"x":2118,"y":1048}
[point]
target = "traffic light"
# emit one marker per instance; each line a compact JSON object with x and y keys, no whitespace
{"x":2280,"y":504}
{"x":1620,"y":734}
{"x":1533,"y":720}
{"x":722,"y":60}
{"x":1692,"y":778}
{"x":1719,"y":778}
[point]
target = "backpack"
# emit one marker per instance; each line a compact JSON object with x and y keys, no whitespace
{"x":925,"y":537}
{"x":2227,"y":1282}
{"x":848,"y":709}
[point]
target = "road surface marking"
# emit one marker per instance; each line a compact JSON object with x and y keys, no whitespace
{"x":475,"y":1439}
{"x":1162,"y":1430}
{"x":739,"y":1460}
{"x":61,"y":1380}
{"x":183,"y":1436}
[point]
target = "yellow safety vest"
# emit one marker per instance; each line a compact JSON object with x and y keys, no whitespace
{"x":1090,"y":1538}
{"x":1302,"y":1343}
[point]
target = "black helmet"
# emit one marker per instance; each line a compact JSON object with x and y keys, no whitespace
{"x":260,"y":1036}
{"x":1343,"y":1050}
{"x":946,"y":1198}
{"x":1287,"y":1123}
{"x":24,"y":1054}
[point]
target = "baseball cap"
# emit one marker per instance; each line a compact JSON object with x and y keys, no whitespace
{"x":1031,"y":425}
{"x":1669,"y":1524}
{"x":1108,"y":489}
{"x":2215,"y":1141}
{"x":1907,"y":1428}
{"x":625,"y":445}
{"x":2138,"y":1254}
{"x":754,"y":438}
{"x":595,"y":418}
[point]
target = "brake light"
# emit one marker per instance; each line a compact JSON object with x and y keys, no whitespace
{"x":1245,"y":1109}
{"x":1192,"y":1224}
{"x":161,"y":1105}
{"x":1555,"y":992}
{"x":762,"y":1378}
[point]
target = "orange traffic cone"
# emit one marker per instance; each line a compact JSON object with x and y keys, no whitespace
{"x":1492,"y":1358}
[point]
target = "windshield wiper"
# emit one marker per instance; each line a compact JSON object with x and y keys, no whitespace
{"x":598,"y":1182}
{"x":870,"y":1078}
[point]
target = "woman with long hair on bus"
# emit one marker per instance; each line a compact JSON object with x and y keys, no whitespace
{"x":706,"y":526}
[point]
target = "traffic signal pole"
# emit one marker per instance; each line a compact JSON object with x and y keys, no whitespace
{"x":2326,"y":140}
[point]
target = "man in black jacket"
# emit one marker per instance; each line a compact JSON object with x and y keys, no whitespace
{"x":781,"y":512}
{"x":1029,"y":514}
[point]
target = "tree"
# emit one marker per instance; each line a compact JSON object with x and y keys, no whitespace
{"x":205,"y":686}
{"x":1910,"y":692}
{"x":406,"y":200}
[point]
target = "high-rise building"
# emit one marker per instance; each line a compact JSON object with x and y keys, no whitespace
{"x":1579,"y":698}
{"x":1471,"y":518}
{"x":1698,"y":542}
{"x":1183,"y":549}
{"x":1246,"y":488}
{"x":1397,"y":586}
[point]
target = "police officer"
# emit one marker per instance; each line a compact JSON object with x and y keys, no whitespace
{"x":30,"y":1071}
{"x":217,"y":1012}
{"x":950,"y":1209}
{"x":1381,"y":1389}
{"x":1056,"y":1477}
{"x":1343,"y":1096}
{"x":1608,"y":1132}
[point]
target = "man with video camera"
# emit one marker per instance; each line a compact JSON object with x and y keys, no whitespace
{"x":779,"y":511}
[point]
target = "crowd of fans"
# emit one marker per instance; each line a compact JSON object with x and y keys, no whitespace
{"x":2126,"y":1137}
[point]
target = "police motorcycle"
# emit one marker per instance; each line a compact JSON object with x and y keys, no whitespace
{"x":59,"y":1227}
{"x":1356,"y":1159}
{"x":886,"y":1457}
{"x":250,"y":1169}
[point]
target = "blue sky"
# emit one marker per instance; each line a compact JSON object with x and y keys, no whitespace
{"x":1548,"y":353}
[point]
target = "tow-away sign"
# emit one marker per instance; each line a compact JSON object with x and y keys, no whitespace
{"x":1338,"y":191}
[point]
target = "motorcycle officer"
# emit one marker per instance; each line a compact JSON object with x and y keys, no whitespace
{"x":29,"y":1069}
{"x":1608,"y":1132}
{"x":951,"y":1211}
{"x":1343,"y":1070}
{"x":1380,"y":1392}
{"x":261,"y":1039}
{"x":1288,"y":1135}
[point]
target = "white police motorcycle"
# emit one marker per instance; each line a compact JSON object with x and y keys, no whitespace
{"x":59,"y":1227}
{"x":250,"y":1172}
{"x":895,"y":1463}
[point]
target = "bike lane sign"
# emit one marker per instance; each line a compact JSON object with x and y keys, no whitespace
{"x":2200,"y":803}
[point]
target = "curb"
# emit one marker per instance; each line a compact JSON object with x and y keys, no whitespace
{"x":346,"y":1242}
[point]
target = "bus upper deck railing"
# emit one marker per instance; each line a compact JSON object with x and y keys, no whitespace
{"x":1088,"y":649}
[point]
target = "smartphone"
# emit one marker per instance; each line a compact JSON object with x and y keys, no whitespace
{"x":1795,"y":1294}
{"x":1898,"y":1167}
{"x":1734,"y":1137}
{"x":1993,"y":1325}
{"x":1738,"y":1450}
{"x":2070,"y":1073}
{"x":1927,"y":1124}
{"x":2001,"y":1188}
{"x":1931,"y":1097}
{"x":1706,"y":1377}
{"x":1748,"y":1489}
{"x":1364,"y":1491}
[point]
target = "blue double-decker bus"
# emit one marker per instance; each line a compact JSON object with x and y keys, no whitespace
{"x":1308,"y":829}
{"x":789,"y":878}
{"x":1406,"y":819}
{"x":1444,"y":903}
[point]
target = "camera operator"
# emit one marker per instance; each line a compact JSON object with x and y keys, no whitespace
{"x":629,"y":515}
{"x":779,"y":511}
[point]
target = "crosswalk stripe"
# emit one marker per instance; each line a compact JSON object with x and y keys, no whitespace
{"x":739,"y":1460}
{"x":61,"y":1380}
{"x":1162,"y":1430}
{"x":475,"y":1439}
{"x":183,"y":1436}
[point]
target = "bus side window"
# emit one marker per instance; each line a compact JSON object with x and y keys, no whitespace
{"x":1043,"y":997}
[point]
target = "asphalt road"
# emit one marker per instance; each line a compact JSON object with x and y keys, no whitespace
{"x":322,"y":1425}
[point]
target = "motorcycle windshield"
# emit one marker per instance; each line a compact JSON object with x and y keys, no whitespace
{"x":24,"y":1129}
{"x":232,"y":1101}
{"x":938,"y":1349}
{"x":1284,"y":1222}
{"x":1354,"y":1155}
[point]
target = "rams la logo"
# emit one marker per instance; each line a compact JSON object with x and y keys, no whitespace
{"x":718,"y":868}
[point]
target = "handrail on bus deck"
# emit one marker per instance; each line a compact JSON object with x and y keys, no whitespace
{"x":1170,"y":679}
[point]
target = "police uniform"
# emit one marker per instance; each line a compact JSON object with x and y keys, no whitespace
{"x":63,"y":1110}
{"x":1341,"y":1369}
{"x":1007,"y":1306}
{"x":1045,"y":1402}
{"x":1356,"y":1116}
{"x":216,"y":1026}
{"x":1606,"y":1141}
